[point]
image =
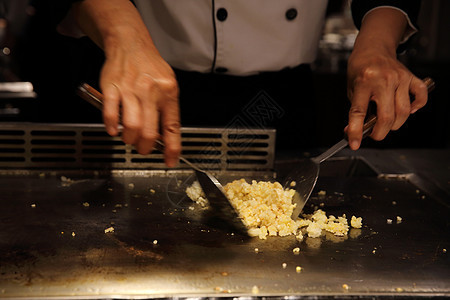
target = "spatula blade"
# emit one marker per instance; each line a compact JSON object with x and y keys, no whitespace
{"x":222,"y":214}
{"x":302,"y":179}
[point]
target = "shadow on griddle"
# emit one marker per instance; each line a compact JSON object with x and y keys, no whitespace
{"x":150,"y":223}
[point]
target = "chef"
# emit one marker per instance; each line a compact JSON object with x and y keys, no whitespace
{"x":158,"y":51}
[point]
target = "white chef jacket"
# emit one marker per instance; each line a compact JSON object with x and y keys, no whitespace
{"x":256,"y":35}
{"x":251,"y":36}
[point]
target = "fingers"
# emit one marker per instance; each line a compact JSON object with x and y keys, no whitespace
{"x":171,"y":131}
{"x":132,"y":117}
{"x":392,"y":97}
{"x":402,"y":106}
{"x":141,"y":107}
{"x":111,"y":109}
{"x":384,"y":98}
{"x":419,"y":89}
{"x":357,"y":115}
{"x":148,"y":95}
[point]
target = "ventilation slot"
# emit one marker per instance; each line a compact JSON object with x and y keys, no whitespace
{"x":12,"y":146}
{"x":35,"y":145}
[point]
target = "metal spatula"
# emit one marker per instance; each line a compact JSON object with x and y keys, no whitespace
{"x":222,"y":214}
{"x":305,"y":173}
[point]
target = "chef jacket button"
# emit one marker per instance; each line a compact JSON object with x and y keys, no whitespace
{"x":221,"y":70}
{"x":291,"y":14}
{"x":222,"y":14}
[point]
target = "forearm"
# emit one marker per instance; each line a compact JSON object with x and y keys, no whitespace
{"x":112,"y":23}
{"x":382,"y":30}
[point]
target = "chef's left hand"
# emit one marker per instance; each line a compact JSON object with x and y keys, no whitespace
{"x":375,"y":74}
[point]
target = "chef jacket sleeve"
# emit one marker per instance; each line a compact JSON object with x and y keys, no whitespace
{"x":410,"y":8}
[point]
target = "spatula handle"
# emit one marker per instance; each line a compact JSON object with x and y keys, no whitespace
{"x":94,"y":97}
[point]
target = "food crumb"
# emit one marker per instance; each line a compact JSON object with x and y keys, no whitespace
{"x":155,"y":242}
{"x":65,"y":179}
{"x":152,"y":191}
{"x":389,"y":221}
{"x":284,"y":265}
{"x":85,"y":204}
{"x":255,"y":290}
{"x":218,"y":289}
{"x":296,"y":251}
{"x":444,"y":250}
{"x":62,"y":232}
{"x":33,"y":205}
{"x":191,"y":208}
{"x":131,"y":186}
{"x":394,"y":202}
{"x":224,"y":273}
{"x":399,"y":290}
{"x":73,"y":233}
{"x":322,"y":193}
{"x":374,"y":251}
{"x":293,"y":183}
{"x":345,"y":286}
{"x":109,"y":229}
{"x":298,"y":269}
{"x":356,"y":222}
{"x":417,"y":191}
{"x":423,"y":197}
{"x":256,"y":250}
{"x":399,"y":219}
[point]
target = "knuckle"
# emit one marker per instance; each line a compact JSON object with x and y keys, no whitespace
{"x":169,"y":84}
{"x":403,"y":110}
{"x":145,"y":83}
{"x":109,"y":116}
{"x":357,"y":111}
{"x":166,"y":84}
{"x":169,"y":87}
{"x":132,"y":124}
{"x":369,"y":73}
{"x":386,"y":119}
{"x":422,"y":86}
{"x":172,"y":127}
{"x":390,"y":76}
{"x":149,"y":135}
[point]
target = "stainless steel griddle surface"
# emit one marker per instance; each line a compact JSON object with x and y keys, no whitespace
{"x":53,"y":241}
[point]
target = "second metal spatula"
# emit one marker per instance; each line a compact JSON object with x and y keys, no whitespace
{"x":305,"y":173}
{"x":222,"y":213}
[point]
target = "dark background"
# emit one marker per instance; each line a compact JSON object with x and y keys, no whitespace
{"x":56,"y":64}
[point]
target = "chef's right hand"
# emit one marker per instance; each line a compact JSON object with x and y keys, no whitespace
{"x":143,"y":87}
{"x":135,"y":80}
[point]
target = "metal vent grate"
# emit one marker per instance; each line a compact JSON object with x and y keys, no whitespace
{"x":33,"y":145}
